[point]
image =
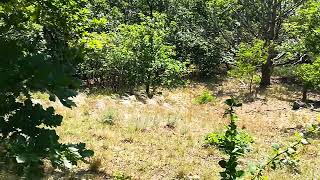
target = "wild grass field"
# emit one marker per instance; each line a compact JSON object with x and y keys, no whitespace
{"x":163,"y":138}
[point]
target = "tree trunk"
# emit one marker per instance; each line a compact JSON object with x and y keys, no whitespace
{"x":149,"y":80}
{"x":148,"y":86}
{"x":250,"y":85}
{"x":269,"y":37}
{"x":266,"y":72}
{"x":304,"y":94}
{"x":148,"y":89}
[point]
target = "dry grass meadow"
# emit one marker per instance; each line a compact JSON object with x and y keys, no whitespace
{"x":162,"y":138}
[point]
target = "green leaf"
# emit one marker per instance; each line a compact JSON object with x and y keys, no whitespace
{"x":87,"y":153}
{"x":67,"y":163}
{"x":233,"y":102}
{"x":240,"y":173}
{"x":291,"y":150}
{"x":230,"y":102}
{"x":276,"y":146}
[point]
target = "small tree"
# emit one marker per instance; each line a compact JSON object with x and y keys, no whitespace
{"x":248,"y":58}
{"x":307,"y":26}
{"x":309,"y":74}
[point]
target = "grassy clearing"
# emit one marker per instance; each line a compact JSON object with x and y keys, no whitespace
{"x":163,"y":138}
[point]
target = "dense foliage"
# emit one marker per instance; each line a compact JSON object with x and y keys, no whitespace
{"x":126,"y":41}
{"x":132,"y":56}
{"x":310,"y":76}
{"x":123,"y":39}
{"x":307,"y":28}
{"x":36,"y":56}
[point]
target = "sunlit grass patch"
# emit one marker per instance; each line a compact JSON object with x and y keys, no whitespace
{"x":165,"y":139}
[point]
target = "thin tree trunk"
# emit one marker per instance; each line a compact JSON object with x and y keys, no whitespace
{"x":250,"y":87}
{"x":266,"y":72}
{"x":149,"y":79}
{"x":148,"y":88}
{"x":304,"y":94}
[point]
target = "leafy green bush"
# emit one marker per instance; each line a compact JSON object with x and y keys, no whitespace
{"x":310,"y":76}
{"x":204,"y":98}
{"x":109,"y":117}
{"x":305,"y":30}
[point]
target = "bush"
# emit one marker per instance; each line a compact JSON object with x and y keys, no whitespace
{"x":309,"y":74}
{"x":232,"y":142}
{"x":109,"y":117}
{"x":204,"y":98}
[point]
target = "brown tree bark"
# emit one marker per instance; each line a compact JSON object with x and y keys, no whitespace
{"x":269,"y":36}
{"x":267,"y":67}
{"x":304,"y":94}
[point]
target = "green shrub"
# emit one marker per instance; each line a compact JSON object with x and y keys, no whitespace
{"x":309,"y":74}
{"x":204,"y":98}
{"x":110,"y":116}
{"x":132,"y":56}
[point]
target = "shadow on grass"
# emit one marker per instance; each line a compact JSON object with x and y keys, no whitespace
{"x":82,"y":174}
{"x":282,"y":88}
{"x":292,"y":88}
{"x":9,"y":171}
{"x":312,"y":132}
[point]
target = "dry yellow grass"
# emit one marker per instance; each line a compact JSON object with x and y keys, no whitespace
{"x":163,"y":138}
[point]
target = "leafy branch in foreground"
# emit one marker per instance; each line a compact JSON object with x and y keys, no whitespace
{"x":280,"y":158}
{"x":236,"y":144}
{"x":37,"y":55}
{"x":232,"y":142}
